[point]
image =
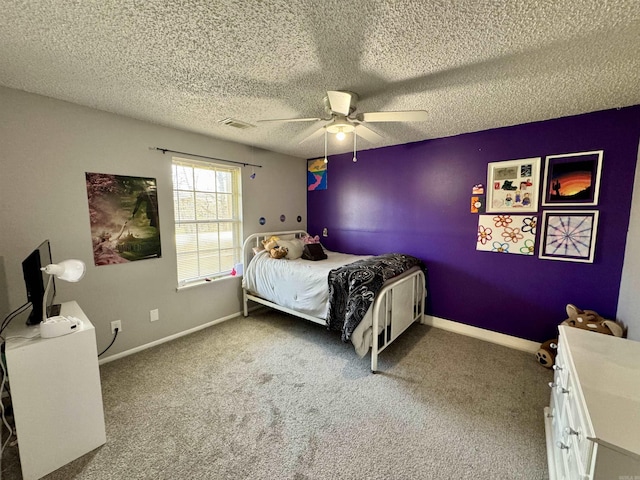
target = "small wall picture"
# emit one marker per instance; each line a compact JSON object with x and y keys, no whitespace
{"x":316,"y":174}
{"x":477,"y":204}
{"x":513,"y":185}
{"x":123,"y":212}
{"x":507,"y":234}
{"x":569,"y":235}
{"x":572,"y":179}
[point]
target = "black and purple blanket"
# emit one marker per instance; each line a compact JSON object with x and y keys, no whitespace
{"x":353,"y":287}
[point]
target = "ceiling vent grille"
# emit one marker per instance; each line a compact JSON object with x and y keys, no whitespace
{"x":232,"y":122}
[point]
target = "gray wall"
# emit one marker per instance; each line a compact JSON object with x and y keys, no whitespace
{"x":629,"y":299}
{"x":48,"y":145}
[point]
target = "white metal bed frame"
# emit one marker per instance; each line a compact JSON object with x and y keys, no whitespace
{"x":399,"y":303}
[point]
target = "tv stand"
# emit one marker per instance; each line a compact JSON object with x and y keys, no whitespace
{"x":56,"y":394}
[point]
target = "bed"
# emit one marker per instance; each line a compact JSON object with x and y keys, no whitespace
{"x":315,"y":291}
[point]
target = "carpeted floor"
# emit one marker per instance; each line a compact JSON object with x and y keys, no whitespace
{"x":275,"y":397}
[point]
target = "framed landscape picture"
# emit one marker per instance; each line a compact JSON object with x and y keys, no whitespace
{"x":572,"y":179}
{"x":513,"y":185}
{"x":569,"y":236}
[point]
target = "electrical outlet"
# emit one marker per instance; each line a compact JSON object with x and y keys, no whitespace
{"x":325,"y":232}
{"x":154,"y":315}
{"x":116,"y":324}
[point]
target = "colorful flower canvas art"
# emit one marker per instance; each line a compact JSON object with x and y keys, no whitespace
{"x":507,"y":234}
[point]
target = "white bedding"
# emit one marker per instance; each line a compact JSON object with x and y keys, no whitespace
{"x":300,"y":285}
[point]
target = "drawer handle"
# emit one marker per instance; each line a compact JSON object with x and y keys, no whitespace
{"x":571,"y":431}
{"x":559,"y":387}
{"x":557,"y":367}
{"x":562,"y":446}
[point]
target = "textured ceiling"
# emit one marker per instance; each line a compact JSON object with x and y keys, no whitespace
{"x":471,"y":64}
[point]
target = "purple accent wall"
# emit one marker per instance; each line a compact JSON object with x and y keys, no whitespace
{"x":415,"y":199}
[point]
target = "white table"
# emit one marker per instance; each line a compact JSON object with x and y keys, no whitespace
{"x":56,"y":394}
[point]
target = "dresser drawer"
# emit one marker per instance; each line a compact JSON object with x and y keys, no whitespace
{"x":561,"y":364}
{"x":577,"y":431}
{"x":560,"y":391}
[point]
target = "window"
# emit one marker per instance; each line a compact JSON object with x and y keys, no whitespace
{"x":207,"y":206}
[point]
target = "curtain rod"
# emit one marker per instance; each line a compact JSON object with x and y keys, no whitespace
{"x":244,"y":164}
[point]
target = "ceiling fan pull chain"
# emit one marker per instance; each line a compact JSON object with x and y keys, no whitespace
{"x":355,"y":136}
{"x":325,"y":147}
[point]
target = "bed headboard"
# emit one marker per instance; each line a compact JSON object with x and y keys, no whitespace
{"x":255,"y":240}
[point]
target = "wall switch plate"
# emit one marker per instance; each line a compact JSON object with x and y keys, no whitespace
{"x":325,"y":232}
{"x":154,"y":315}
{"x":116,"y":324}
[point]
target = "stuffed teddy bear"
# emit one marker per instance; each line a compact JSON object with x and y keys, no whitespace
{"x":590,"y":320}
{"x":546,"y":355}
{"x":278,"y":252}
{"x":270,"y":243}
{"x":271,"y":246}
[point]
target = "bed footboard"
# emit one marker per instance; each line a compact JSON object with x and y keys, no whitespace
{"x":397,"y":305}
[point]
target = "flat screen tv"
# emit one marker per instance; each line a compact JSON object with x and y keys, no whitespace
{"x":36,"y":280}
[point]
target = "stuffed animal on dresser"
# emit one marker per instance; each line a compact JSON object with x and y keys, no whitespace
{"x":590,"y":320}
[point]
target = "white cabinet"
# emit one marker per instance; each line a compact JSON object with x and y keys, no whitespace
{"x":593,"y":420}
{"x":56,"y":394}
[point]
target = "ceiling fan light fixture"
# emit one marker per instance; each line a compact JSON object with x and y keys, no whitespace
{"x":340,"y":135}
{"x":340,"y":126}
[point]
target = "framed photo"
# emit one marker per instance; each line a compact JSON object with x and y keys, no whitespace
{"x":513,"y":185}
{"x":572,"y":179}
{"x":569,"y":236}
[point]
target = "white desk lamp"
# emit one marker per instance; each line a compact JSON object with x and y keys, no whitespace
{"x":70,"y":271}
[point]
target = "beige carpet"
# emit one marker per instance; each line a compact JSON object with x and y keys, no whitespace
{"x":275,"y":397}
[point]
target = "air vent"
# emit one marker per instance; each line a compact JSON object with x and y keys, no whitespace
{"x":232,"y":122}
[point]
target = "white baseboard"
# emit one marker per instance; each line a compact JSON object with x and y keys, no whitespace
{"x":126,"y":353}
{"x":455,"y":327}
{"x":482,"y":334}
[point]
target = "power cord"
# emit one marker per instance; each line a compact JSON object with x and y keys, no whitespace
{"x":115,"y":335}
{"x":4,"y":418}
{"x":12,"y":315}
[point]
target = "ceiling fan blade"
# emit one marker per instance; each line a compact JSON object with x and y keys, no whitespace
{"x":339,"y":102}
{"x":286,"y":120}
{"x":315,"y":134}
{"x":367,"y":133}
{"x":408,"y":116}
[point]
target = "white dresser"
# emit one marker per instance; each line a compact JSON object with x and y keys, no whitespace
{"x":56,"y":394}
{"x":593,"y":421}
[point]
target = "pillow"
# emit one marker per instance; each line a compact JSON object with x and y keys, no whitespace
{"x":295,"y":247}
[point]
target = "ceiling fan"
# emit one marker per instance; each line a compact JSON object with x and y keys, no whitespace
{"x":340,"y":107}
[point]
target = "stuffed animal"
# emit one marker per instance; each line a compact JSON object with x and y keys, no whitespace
{"x":583,"y":319}
{"x":270,"y":243}
{"x":546,"y":355}
{"x":278,"y":252}
{"x":307,"y":239}
{"x":590,"y":320}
